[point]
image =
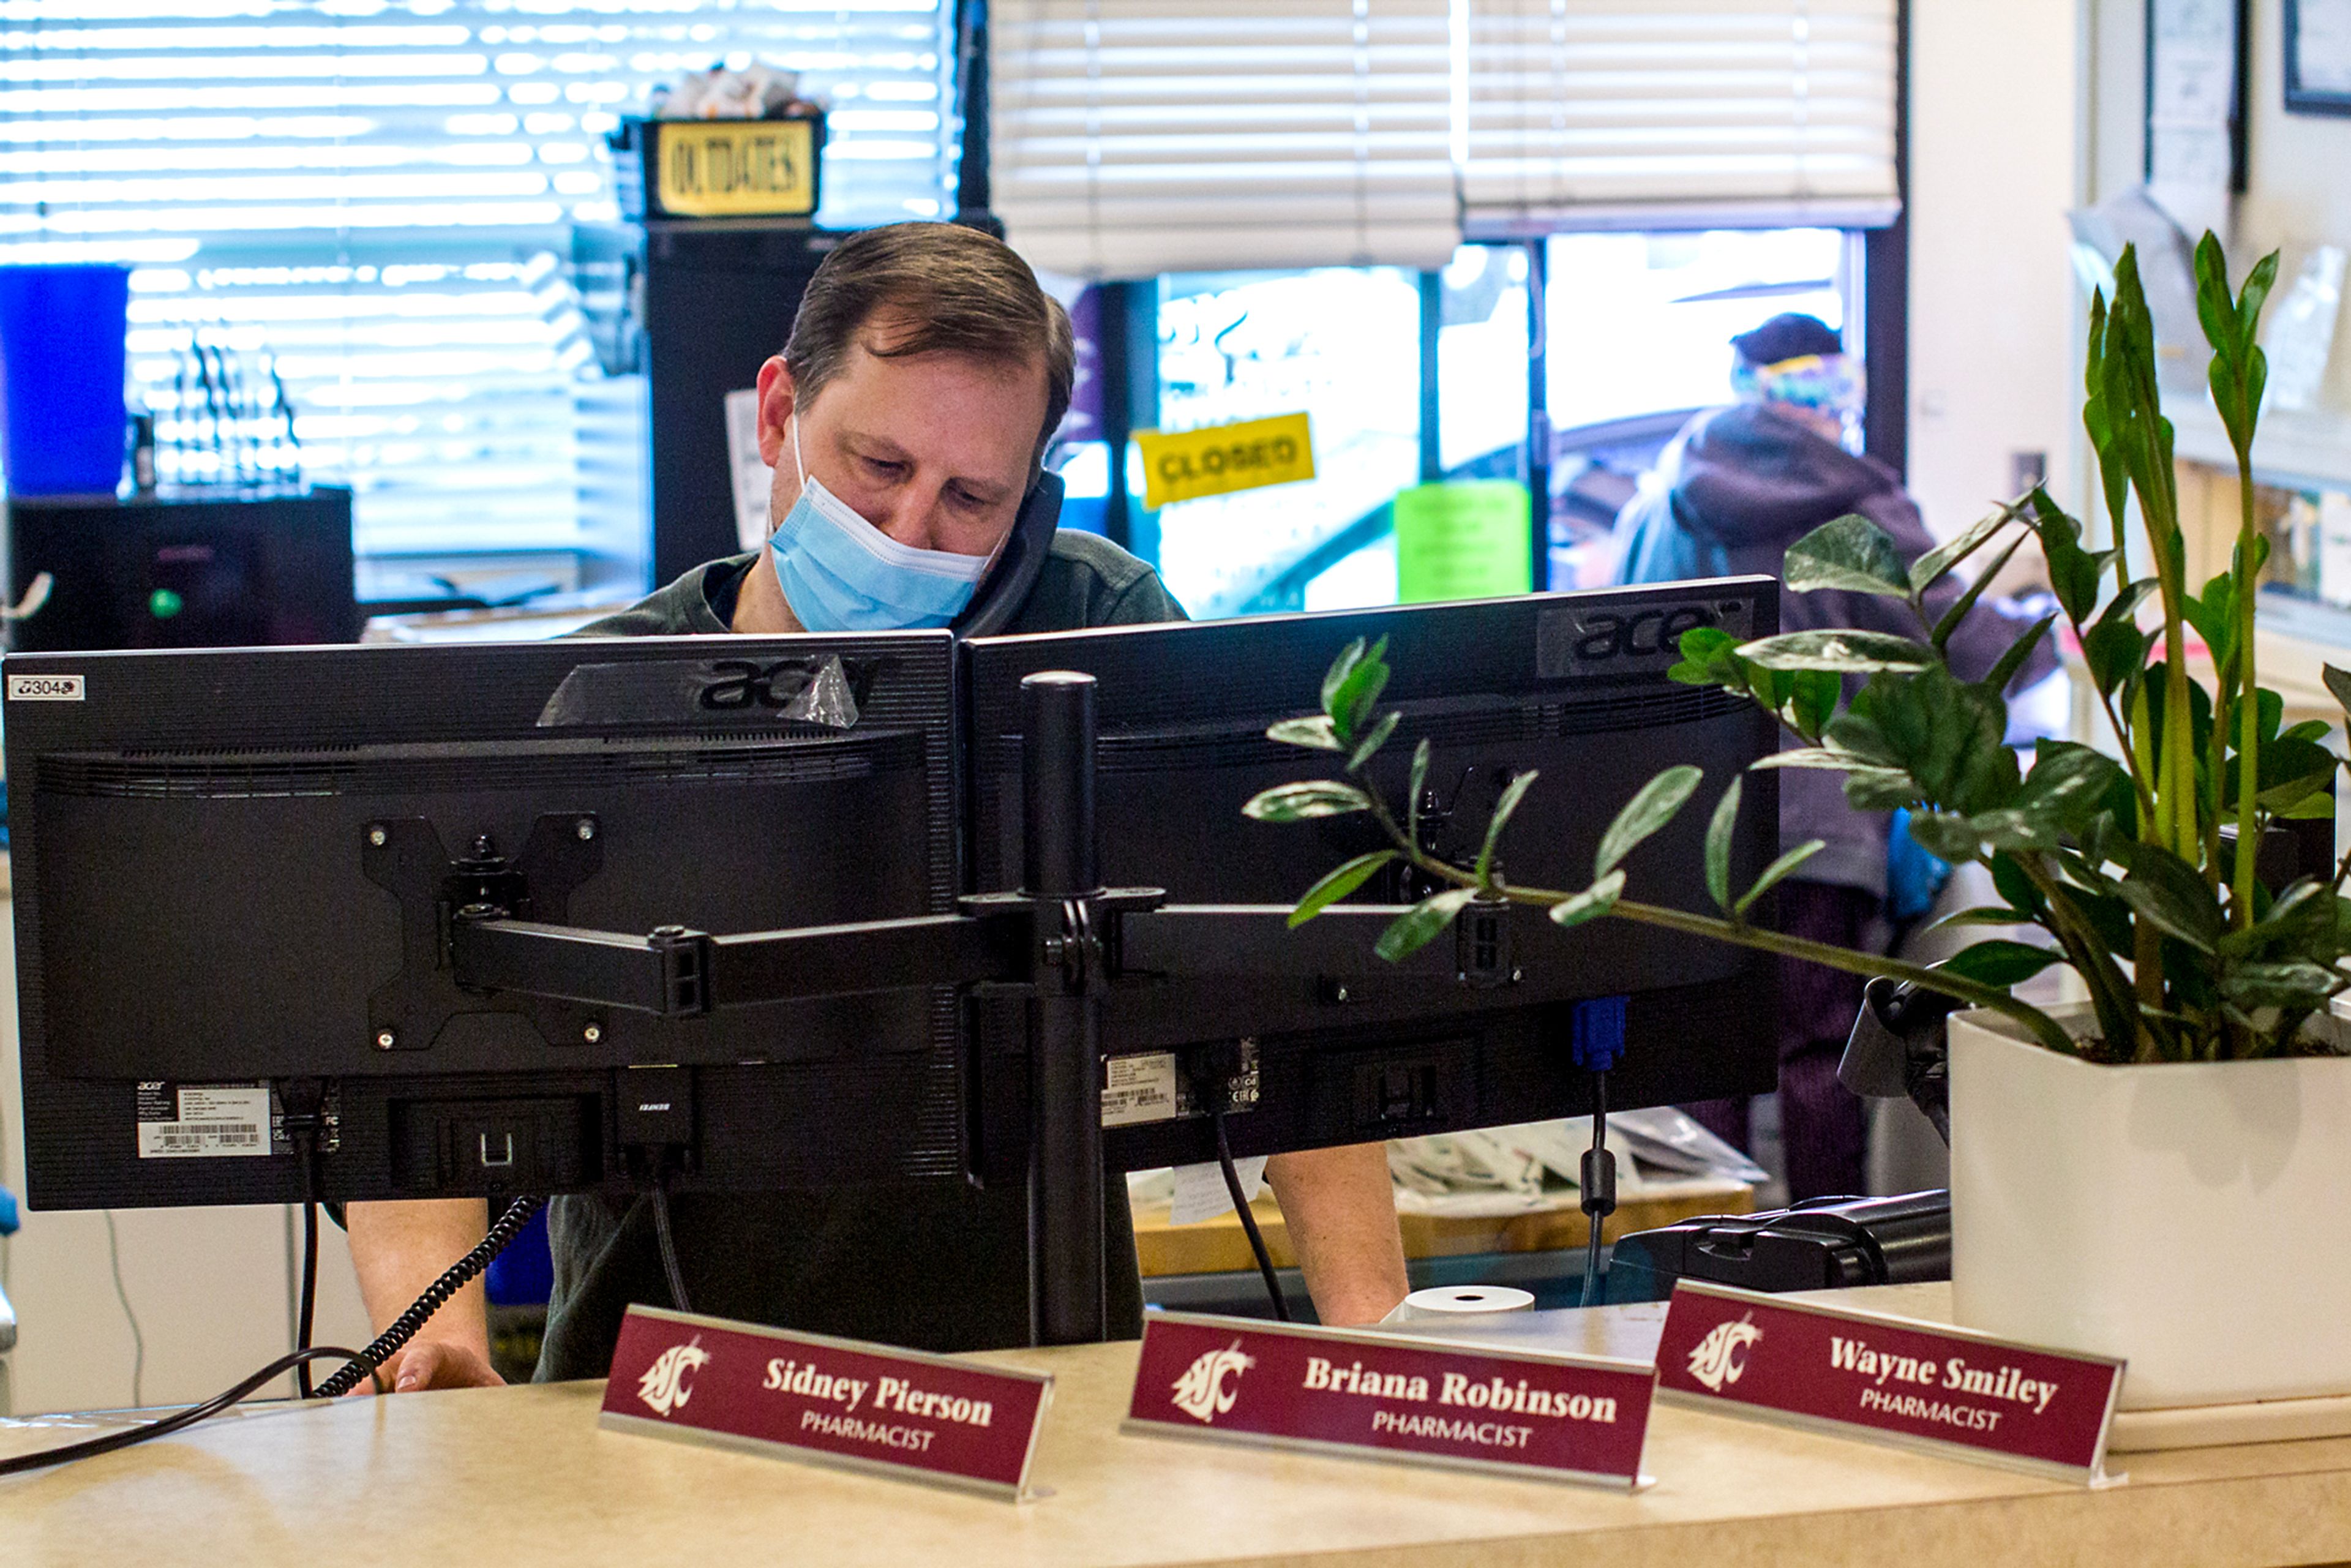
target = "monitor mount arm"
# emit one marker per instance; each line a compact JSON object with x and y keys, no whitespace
{"x":484,"y":931}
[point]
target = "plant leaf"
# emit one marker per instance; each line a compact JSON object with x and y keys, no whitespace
{"x":1374,"y":741}
{"x":1831,"y":758}
{"x":1351,"y":703}
{"x":2296,"y":983}
{"x":1418,"y":926}
{"x":1314,"y":732}
{"x":2074,"y":571}
{"x":1845,"y":652}
{"x":1708,"y":658}
{"x":1311,"y":797}
{"x":1338,"y":884}
{"x":1851,"y":553}
{"x":1415,"y":785}
{"x":2115,"y":651}
{"x":1999,"y":962}
{"x":1336,"y":676}
{"x":2170,"y":894}
{"x":2004,"y":671}
{"x":2339,"y":682}
{"x":1718,"y":845}
{"x":1512,"y":793}
{"x":1943,"y":557}
{"x":1643,"y":814}
{"x":1810,"y":701}
{"x":1591,"y":902}
{"x":1773,"y":872}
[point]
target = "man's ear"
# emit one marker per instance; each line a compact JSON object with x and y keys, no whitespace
{"x":775,"y":405}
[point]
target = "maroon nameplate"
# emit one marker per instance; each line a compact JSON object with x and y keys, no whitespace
{"x":1384,"y":1395}
{"x":829,"y":1401}
{"x":1892,"y":1380}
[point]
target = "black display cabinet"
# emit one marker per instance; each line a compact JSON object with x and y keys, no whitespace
{"x":719,"y":298}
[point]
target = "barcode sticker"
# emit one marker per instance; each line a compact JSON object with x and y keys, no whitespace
{"x":170,"y":1140}
{"x":1138,"y":1089}
{"x":202,"y":1121}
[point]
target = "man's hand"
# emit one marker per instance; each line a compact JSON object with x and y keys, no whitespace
{"x":399,"y":1248}
{"x":1340,"y":1208}
{"x":437,"y":1363}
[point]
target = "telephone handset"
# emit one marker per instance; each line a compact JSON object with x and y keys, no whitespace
{"x":1006,"y":587}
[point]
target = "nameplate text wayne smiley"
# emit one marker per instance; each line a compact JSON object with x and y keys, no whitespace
{"x":1895,"y":1380}
{"x":829,"y":1401}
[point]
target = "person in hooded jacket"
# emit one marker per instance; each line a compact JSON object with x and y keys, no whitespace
{"x":1734,"y":489}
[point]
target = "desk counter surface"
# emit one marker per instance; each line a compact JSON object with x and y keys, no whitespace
{"x":525,"y":1476}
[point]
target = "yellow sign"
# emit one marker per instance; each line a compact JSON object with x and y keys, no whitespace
{"x":1186,"y":465}
{"x":736,"y":168}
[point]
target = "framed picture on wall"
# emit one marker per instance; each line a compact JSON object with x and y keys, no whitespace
{"x":2318,"y":56}
{"x":2196,"y":85}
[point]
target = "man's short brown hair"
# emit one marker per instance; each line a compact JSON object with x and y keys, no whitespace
{"x":947,"y":289}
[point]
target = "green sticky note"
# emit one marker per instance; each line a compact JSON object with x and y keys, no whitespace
{"x":1470,"y":538}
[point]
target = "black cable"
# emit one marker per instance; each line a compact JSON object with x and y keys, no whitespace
{"x":657,"y":1190}
{"x":1599,"y":1186}
{"x":1249,"y":1219}
{"x":167,"y":1425}
{"x":436,"y":1295}
{"x":306,"y":1148}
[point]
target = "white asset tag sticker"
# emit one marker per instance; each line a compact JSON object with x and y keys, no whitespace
{"x":45,"y":688}
{"x":1139,"y":1089}
{"x":204,"y":1120}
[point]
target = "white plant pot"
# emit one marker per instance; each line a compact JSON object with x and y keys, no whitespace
{"x":2193,"y":1218}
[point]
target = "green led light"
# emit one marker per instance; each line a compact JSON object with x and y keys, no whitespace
{"x":163,"y":604}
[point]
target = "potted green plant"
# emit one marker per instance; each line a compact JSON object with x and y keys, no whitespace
{"x":2163,"y":1171}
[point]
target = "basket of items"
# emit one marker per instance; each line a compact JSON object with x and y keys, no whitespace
{"x":722,"y":144}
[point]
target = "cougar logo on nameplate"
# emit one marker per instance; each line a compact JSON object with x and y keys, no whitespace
{"x":827,"y":1401}
{"x":663,"y":1387}
{"x":1204,"y":1392}
{"x":1890,"y":1380}
{"x":1383,"y":1395}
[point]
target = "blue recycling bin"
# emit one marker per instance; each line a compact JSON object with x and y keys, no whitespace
{"x":61,"y":350}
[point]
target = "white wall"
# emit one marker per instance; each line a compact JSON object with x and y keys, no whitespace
{"x":1996,"y":153}
{"x":212,"y":1288}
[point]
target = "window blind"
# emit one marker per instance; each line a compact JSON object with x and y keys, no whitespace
{"x":379,"y":194}
{"x":1135,"y":137}
{"x":1677,"y":113}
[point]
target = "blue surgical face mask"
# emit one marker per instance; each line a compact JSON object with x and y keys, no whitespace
{"x":840,"y":573}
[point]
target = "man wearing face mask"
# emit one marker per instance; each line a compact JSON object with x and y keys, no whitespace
{"x":905,"y":422}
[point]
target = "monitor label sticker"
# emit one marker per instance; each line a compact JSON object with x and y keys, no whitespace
{"x":202,"y":1121}
{"x":826,"y":1401}
{"x":216,"y":1121}
{"x":1138,"y":1089}
{"x":1394,"y":1397}
{"x":45,"y":688}
{"x":1890,"y":1380}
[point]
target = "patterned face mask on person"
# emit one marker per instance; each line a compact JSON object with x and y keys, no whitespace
{"x":1826,"y":384}
{"x":840,"y":573}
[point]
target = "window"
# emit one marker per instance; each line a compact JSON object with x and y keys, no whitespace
{"x":1635,"y":339}
{"x":1642,"y":323}
{"x":379,"y":195}
{"x":1637,"y":330}
{"x":1341,"y":344}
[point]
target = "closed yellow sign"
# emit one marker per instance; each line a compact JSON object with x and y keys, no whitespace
{"x":1186,"y":465}
{"x":737,"y":168}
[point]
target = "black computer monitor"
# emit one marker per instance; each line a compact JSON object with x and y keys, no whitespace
{"x":237,"y":875}
{"x":1347,"y":1048}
